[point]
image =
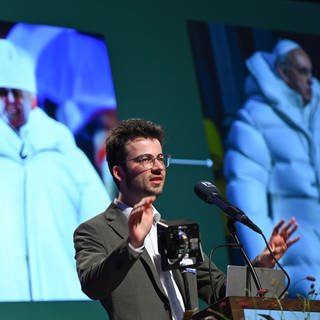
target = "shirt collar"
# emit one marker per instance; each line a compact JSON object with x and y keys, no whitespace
{"x":126,"y":210}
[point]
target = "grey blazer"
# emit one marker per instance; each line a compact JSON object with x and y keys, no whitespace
{"x":127,"y":283}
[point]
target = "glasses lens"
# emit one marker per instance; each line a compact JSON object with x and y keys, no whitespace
{"x":148,"y":160}
{"x":16,"y":93}
{"x":3,"y":92}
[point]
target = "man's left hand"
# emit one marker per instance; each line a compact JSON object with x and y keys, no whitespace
{"x":279,"y":242}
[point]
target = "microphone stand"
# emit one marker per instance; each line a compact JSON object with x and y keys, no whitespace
{"x":190,"y":281}
{"x":233,"y":232}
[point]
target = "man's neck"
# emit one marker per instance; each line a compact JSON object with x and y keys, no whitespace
{"x":129,"y":201}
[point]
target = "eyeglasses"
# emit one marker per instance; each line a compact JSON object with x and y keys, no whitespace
{"x":148,"y":160}
{"x":16,"y":93}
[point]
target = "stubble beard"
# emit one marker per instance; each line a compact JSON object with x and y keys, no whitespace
{"x":144,"y":190}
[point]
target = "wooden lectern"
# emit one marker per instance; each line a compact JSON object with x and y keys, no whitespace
{"x":243,"y":308}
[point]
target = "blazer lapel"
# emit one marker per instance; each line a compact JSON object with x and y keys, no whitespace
{"x":153,"y":273}
{"x":119,"y":223}
{"x":177,"y":276}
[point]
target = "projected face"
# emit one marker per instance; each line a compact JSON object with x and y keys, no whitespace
{"x":299,"y":73}
{"x":16,"y":105}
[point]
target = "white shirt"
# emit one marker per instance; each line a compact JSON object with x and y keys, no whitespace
{"x":166,"y":277}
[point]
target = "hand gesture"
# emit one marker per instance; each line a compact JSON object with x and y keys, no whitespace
{"x":279,"y":242}
{"x":140,"y":221}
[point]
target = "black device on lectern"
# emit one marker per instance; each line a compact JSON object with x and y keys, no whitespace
{"x":179,"y":244}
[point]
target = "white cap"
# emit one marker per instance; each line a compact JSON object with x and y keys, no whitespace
{"x":284,"y":46}
{"x":17,"y":70}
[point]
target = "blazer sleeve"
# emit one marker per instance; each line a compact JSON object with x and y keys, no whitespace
{"x":211,"y":281}
{"x":101,"y":267}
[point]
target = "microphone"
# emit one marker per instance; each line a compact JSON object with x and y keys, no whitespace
{"x":208,"y":192}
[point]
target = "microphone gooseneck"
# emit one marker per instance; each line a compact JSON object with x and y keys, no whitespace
{"x":206,"y":191}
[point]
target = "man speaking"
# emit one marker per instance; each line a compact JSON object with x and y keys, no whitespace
{"x":117,"y":252}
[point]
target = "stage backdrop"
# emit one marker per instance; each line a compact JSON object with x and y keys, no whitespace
{"x":154,"y":77}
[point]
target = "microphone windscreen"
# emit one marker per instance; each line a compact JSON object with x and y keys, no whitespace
{"x":204,"y":190}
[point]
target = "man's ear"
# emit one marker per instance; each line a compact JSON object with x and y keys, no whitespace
{"x":282,"y":73}
{"x":34,"y":102}
{"x":118,"y":173}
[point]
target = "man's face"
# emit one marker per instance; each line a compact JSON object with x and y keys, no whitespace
{"x":142,"y":178}
{"x":299,"y":74}
{"x":16,"y":105}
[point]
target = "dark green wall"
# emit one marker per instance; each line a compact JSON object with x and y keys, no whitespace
{"x":154,"y":78}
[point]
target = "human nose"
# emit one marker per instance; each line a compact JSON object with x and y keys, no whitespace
{"x":10,"y":97}
{"x":158,"y":163}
